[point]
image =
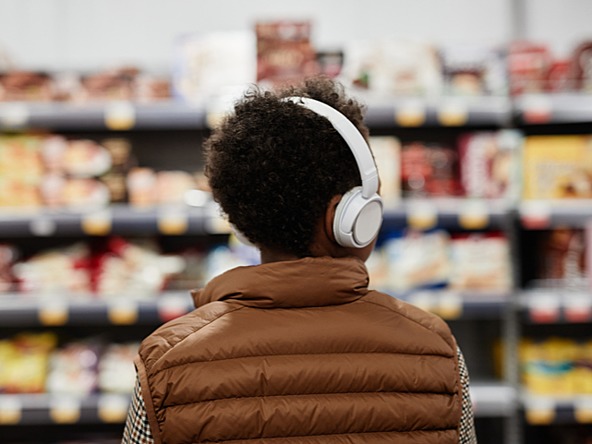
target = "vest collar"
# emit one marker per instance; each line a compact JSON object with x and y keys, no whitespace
{"x":307,"y":282}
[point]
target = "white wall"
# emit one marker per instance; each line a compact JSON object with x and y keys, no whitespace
{"x":91,"y":34}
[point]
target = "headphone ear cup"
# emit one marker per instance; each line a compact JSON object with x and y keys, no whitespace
{"x":357,"y":219}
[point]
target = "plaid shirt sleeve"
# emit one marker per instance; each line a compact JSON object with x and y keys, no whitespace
{"x":137,"y":427}
{"x":467,"y":433}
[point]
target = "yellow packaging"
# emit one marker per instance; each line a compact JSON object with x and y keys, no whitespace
{"x":557,"y":167}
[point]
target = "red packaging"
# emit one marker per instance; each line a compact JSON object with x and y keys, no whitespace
{"x":528,"y":67}
{"x":429,"y":171}
{"x":582,"y":67}
{"x":284,"y":52}
{"x":559,"y":77}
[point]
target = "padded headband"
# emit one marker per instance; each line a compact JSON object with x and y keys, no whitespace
{"x":352,"y":136}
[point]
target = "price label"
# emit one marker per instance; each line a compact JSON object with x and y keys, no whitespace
{"x":540,"y":410}
{"x":450,"y":305}
{"x":120,"y":116}
{"x":11,"y":409}
{"x":64,"y":409}
{"x":453,"y":112}
{"x":173,"y":221}
{"x":53,"y":312}
{"x":422,"y":215}
{"x":410,"y":113}
{"x":14,"y":115}
{"x":112,"y":408}
{"x":535,"y":214}
{"x":42,"y":226}
{"x":473,"y":215}
{"x":171,"y":307}
{"x":97,"y":223}
{"x":577,"y":307}
{"x":536,"y":108}
{"x":544,"y":308}
{"x":583,"y":409}
{"x":123,"y":312}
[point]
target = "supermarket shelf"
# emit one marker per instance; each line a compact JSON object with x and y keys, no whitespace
{"x":453,"y":213}
{"x":493,"y":399}
{"x":117,"y":219}
{"x":537,"y":109}
{"x":102,"y":116}
{"x":543,"y":214}
{"x":452,"y":305}
{"x":442,"y":111}
{"x":410,"y":112}
{"x":20,"y":310}
{"x":179,"y":220}
{"x":41,"y":409}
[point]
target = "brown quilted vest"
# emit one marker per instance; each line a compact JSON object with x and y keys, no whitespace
{"x":301,"y":352}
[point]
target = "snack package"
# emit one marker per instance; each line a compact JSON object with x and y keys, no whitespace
{"x":563,"y":255}
{"x":20,"y":86}
{"x":116,"y":368}
{"x":387,"y":155}
{"x":489,"y":164}
{"x":473,"y":70}
{"x":418,"y":260}
{"x":8,"y":256}
{"x":581,"y":67}
{"x":21,"y":171}
{"x":24,"y":362}
{"x":204,"y":65}
{"x":73,"y":369}
{"x":285,"y":53}
{"x":480,"y":262}
{"x":393,"y":67}
{"x":528,"y":67}
{"x":557,"y":167}
{"x":429,"y":170}
{"x":60,"y":271}
{"x":133,"y":269}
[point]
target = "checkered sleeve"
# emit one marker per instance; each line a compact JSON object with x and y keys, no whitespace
{"x":137,"y":427}
{"x":467,"y":433}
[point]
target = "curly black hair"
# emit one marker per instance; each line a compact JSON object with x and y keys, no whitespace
{"x":273,"y":165}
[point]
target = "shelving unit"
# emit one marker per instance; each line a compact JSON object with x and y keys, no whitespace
{"x":501,"y":400}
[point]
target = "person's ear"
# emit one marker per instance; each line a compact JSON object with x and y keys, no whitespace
{"x":330,"y":216}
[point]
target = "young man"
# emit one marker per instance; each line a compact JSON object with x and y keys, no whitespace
{"x":299,"y":349}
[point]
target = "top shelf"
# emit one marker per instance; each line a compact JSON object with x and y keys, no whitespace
{"x":381,"y":112}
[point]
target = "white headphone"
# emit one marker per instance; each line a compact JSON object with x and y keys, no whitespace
{"x":358,"y":216}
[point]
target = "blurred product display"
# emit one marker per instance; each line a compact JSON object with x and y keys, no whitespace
{"x":485,"y":159}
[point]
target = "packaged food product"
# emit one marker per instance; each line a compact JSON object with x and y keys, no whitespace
{"x":387,"y":155}
{"x":21,"y":170}
{"x":557,"y":167}
{"x":73,"y":369}
{"x":285,"y":53}
{"x":581,"y":71}
{"x":563,"y":255}
{"x":393,"y":67}
{"x":473,"y":70}
{"x":116,"y":368}
{"x":24,"y":362}
{"x":480,"y":262}
{"x":528,"y":67}
{"x":489,"y":164}
{"x":206,"y":64}
{"x":429,"y":170}
{"x":18,"y":86}
{"x":60,"y":271}
{"x":8,"y":256}
{"x":418,"y":260}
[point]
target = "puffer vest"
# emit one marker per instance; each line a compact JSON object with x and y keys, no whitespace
{"x":301,"y":352}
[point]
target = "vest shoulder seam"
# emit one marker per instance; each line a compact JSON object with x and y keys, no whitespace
{"x":426,"y":327}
